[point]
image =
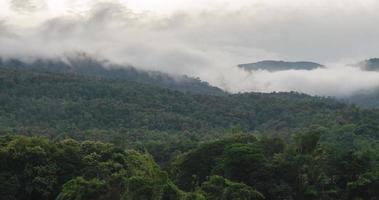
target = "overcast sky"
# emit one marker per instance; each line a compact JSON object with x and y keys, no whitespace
{"x":206,"y":38}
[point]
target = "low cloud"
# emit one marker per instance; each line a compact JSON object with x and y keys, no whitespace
{"x":210,"y":43}
{"x":27,"y":6}
{"x":338,"y":81}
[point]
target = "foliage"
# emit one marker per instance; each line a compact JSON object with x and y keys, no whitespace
{"x":317,"y":164}
{"x":83,"y":65}
{"x":40,"y":169}
{"x":219,"y":188}
{"x":60,"y":103}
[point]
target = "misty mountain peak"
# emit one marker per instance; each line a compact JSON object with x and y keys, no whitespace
{"x":274,"y":65}
{"x":371,"y":64}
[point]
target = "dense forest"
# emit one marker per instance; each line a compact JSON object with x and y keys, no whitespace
{"x":84,"y":65}
{"x":85,"y":137}
{"x":68,"y":102}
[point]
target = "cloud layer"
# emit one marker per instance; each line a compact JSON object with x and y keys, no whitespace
{"x":210,"y":42}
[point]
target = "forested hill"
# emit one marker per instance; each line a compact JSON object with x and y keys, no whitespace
{"x":245,"y":146}
{"x":37,"y":99}
{"x":84,"y":65}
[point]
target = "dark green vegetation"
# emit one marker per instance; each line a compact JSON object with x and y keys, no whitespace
{"x":320,"y":163}
{"x":84,"y":65}
{"x":365,"y":99}
{"x":69,"y":103}
{"x":35,"y":168}
{"x":272,"y":65}
{"x":91,"y":137}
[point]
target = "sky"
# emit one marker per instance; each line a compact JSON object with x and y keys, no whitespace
{"x":206,"y":38}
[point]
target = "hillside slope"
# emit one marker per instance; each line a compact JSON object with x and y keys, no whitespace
{"x":38,"y":99}
{"x":84,"y":65}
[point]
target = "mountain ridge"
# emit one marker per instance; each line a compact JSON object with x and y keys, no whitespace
{"x":87,"y":66}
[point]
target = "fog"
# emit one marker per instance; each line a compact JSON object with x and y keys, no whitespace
{"x":206,"y":41}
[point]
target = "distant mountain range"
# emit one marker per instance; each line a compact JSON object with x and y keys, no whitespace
{"x":365,"y":99}
{"x":84,"y":65}
{"x":272,"y":65}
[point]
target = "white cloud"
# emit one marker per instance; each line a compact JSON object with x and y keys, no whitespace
{"x":332,"y":81}
{"x":207,"y":41}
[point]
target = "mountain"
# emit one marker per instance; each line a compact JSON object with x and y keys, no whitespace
{"x":272,"y":65}
{"x":371,"y":64}
{"x":86,"y":66}
{"x":33,"y":98}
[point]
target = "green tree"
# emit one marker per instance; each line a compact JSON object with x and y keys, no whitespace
{"x":81,"y":189}
{"x":218,"y":188}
